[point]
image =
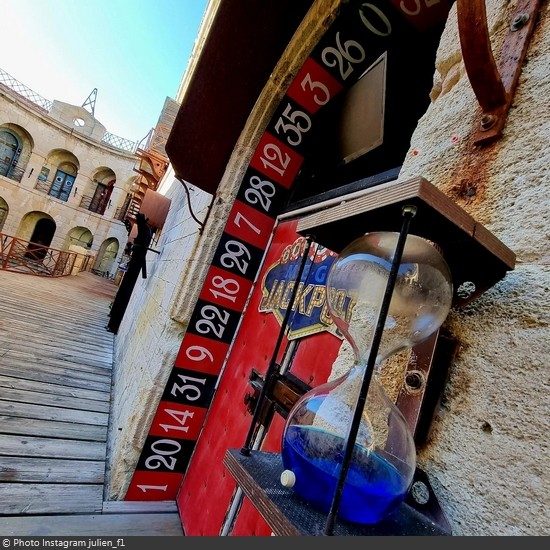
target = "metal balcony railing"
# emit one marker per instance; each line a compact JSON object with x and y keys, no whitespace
{"x":28,"y":257}
{"x":120,"y":142}
{"x":93,"y":205}
{"x":43,"y":185}
{"x":96,"y":205}
{"x":45,"y":105}
{"x":46,"y":186}
{"x":24,"y":91}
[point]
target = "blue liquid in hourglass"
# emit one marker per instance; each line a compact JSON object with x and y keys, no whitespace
{"x":373,"y":488}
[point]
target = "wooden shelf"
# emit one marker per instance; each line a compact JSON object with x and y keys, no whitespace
{"x":472,"y":252}
{"x":258,"y":476}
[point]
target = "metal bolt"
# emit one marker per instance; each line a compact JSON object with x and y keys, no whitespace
{"x":420,"y":492}
{"x":466,"y":290}
{"x":519,"y":21}
{"x":414,"y":380}
{"x":409,"y":209}
{"x":487,"y":122}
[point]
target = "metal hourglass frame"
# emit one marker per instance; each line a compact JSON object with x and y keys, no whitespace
{"x":477,"y":260}
{"x":408,"y":211}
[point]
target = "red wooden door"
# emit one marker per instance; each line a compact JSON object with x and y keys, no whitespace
{"x":208,"y":489}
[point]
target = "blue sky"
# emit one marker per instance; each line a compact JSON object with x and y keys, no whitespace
{"x":133,"y":51}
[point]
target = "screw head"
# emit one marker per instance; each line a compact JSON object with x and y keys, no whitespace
{"x":487,"y":122}
{"x":519,"y":21}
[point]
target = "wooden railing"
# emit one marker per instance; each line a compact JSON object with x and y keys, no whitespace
{"x":28,"y":257}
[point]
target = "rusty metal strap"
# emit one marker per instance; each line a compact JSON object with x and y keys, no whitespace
{"x":494,"y":84}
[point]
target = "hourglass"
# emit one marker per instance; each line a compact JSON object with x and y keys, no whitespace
{"x":346,"y":448}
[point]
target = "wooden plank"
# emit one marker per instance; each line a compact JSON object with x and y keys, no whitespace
{"x":465,"y":243}
{"x":35,"y":358}
{"x":55,"y":384}
{"x":139,"y":507}
{"x":89,"y":332}
{"x":376,"y":198}
{"x":84,"y":319}
{"x":57,"y":375}
{"x":57,"y":389}
{"x":80,"y":355}
{"x":39,"y":470}
{"x":32,"y":352}
{"x":48,"y":498}
{"x":258,"y":475}
{"x":62,"y":353}
{"x":12,"y":445}
{"x":42,"y":297}
{"x":387,"y":194}
{"x":52,"y":400}
{"x":86,"y":337}
{"x":42,"y":412}
{"x":260,"y":499}
{"x":48,"y":428}
{"x":111,"y":525}
{"x":87,"y":325}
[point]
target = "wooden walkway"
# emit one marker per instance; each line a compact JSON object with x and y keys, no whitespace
{"x":55,"y":388}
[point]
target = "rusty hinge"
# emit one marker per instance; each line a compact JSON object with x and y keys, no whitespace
{"x":494,"y":85}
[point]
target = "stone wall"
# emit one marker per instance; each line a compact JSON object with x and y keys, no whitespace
{"x":151,"y":331}
{"x":488,"y":450}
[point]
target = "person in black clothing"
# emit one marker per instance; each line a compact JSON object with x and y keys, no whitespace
{"x":136,"y":264}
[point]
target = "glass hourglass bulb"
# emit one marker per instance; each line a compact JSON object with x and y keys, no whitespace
{"x":384,"y":455}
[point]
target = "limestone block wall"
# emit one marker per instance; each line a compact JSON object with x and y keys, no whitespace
{"x":488,"y":452}
{"x":66,"y":113}
{"x":150,"y":334}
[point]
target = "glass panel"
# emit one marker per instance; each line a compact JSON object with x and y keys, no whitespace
{"x":62,"y":185}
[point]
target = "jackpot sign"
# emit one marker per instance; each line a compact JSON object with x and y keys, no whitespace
{"x":309,"y":312}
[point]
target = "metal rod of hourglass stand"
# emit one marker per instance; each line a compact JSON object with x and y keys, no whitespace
{"x":245,"y":449}
{"x":408,"y":212}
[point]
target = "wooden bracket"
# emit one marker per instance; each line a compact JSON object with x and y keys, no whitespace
{"x":494,"y":85}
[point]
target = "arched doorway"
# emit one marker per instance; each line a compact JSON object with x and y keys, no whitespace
{"x":4,"y":209}
{"x":41,"y":238}
{"x":365,"y":59}
{"x":106,"y":256}
{"x":79,"y":236}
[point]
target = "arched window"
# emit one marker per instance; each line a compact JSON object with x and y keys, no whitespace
{"x":63,"y":181}
{"x":9,"y":152}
